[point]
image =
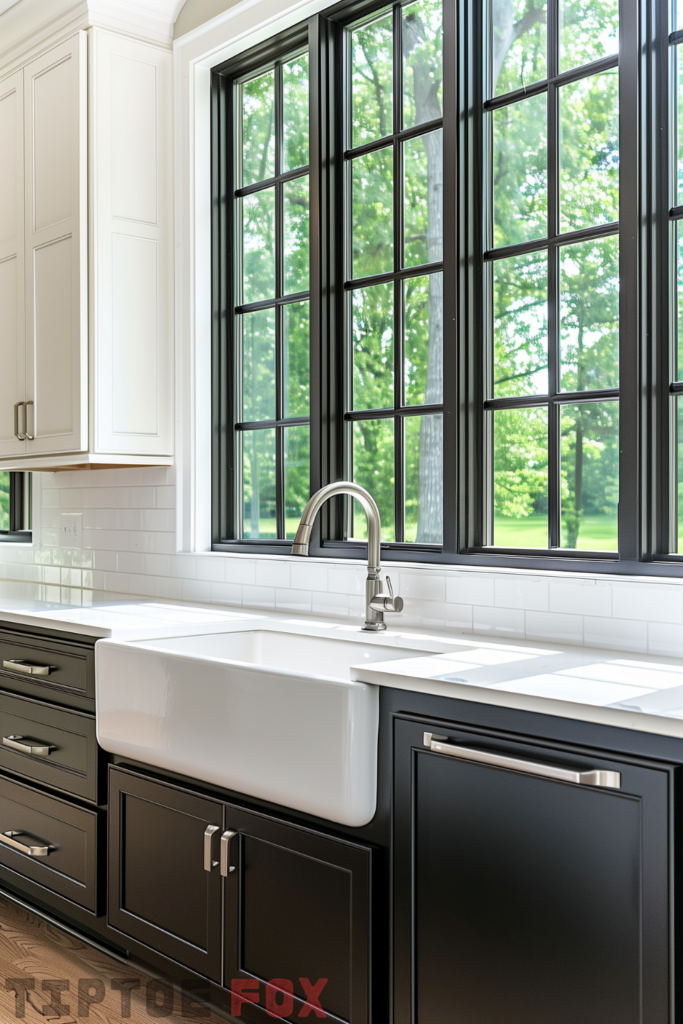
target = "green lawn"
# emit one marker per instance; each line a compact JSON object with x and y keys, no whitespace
{"x":595,"y":533}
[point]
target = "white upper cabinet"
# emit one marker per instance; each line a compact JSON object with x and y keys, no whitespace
{"x":56,"y":241}
{"x":12,"y":332}
{"x":86,"y":256}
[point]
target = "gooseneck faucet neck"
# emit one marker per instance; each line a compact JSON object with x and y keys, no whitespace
{"x":303,"y":534}
{"x":376,"y":602}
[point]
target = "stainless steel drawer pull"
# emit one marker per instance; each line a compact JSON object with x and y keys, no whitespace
{"x":29,"y":436}
{"x":591,"y":777}
{"x":226,"y":866}
{"x":33,"y":847}
{"x":19,"y":434}
{"x":34,"y":747}
{"x":27,"y":667}
{"x":209,"y":862}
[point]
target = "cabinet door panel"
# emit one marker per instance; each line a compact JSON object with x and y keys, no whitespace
{"x":12,"y":335}
{"x":533,"y":899}
{"x":297,"y":906}
{"x":159,"y":892}
{"x":56,"y":248}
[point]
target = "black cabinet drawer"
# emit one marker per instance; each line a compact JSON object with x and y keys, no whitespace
{"x":69,"y":833}
{"x":49,"y":745}
{"x":60,"y":672}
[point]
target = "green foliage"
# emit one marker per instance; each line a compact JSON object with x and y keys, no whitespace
{"x":258,"y":128}
{"x":295,"y":112}
{"x":4,"y":501}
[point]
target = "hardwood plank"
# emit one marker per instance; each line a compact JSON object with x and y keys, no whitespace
{"x":33,"y":951}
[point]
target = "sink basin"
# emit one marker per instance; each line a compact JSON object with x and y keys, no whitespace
{"x":266,"y":712}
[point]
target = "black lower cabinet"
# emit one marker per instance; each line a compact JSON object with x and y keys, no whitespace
{"x":524,"y":899}
{"x":280,"y":919}
{"x":297,"y":913}
{"x":159,"y":892}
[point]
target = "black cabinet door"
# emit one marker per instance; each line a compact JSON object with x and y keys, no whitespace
{"x":522,"y":899}
{"x":297,"y":909}
{"x":159,"y":891}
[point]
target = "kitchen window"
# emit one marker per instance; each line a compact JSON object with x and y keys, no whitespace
{"x":15,"y":505}
{"x":487,"y":301}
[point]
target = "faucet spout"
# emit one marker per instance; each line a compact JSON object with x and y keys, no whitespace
{"x":376,"y":602}
{"x":303,"y":534}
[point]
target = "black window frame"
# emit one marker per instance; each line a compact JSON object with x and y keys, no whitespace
{"x":646,"y":508}
{"x":19,"y":510}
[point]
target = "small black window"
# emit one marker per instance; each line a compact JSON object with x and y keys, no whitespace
{"x":15,"y":507}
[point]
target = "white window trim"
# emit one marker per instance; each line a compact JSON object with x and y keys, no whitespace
{"x":238,"y":29}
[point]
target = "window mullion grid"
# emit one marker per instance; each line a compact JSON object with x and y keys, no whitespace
{"x":553,"y":142}
{"x":279,"y":292}
{"x":399,"y":427}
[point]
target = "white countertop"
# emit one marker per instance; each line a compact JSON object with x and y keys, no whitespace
{"x":643,"y":692}
{"x":122,"y":620}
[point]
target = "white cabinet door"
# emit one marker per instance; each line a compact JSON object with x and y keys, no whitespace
{"x":12,"y":336}
{"x":55,"y":104}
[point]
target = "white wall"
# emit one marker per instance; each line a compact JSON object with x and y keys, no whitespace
{"x":129,"y":549}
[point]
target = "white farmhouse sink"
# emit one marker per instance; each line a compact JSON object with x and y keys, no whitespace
{"x":263,"y":711}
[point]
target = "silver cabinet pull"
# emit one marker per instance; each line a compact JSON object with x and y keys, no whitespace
{"x":33,"y":847}
{"x":226,"y":866}
{"x":34,"y":747}
{"x":29,"y":437}
{"x":27,"y":667}
{"x":591,"y":777}
{"x":19,"y":434}
{"x":209,"y":862}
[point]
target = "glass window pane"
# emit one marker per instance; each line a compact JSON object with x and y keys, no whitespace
{"x":372,"y":325}
{"x":520,"y":325}
{"x":258,"y":365}
{"x":589,"y":151}
{"x":372,"y":48}
{"x":258,"y":246}
{"x":258,"y":128}
{"x":518,"y":55}
{"x":4,"y":501}
{"x":589,"y":30}
{"x":422,"y":61}
{"x":259,"y":519}
{"x":589,"y":315}
{"x":296,"y":358}
{"x":423,"y":199}
{"x":679,"y":299}
{"x":679,"y":55}
{"x":295,"y":112}
{"x":295,"y":200}
{"x":373,"y":469}
{"x":520,"y":172}
{"x":424,"y":479}
{"x":423,"y":316}
{"x":372,"y":184}
{"x":297,"y":444}
{"x":679,"y":469}
{"x":590,"y":475}
{"x":520,"y":478}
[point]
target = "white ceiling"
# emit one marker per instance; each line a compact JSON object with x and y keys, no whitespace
{"x":6,"y":4}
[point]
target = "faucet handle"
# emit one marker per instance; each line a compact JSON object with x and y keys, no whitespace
{"x":390,"y":588}
{"x":382,"y":603}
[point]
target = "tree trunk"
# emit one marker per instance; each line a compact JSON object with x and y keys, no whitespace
{"x":428,"y":108}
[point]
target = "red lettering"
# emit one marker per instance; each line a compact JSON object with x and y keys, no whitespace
{"x":243,"y":990}
{"x":283,"y":987}
{"x":312,"y":993}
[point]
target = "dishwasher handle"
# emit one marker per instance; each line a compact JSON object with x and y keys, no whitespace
{"x":589,"y":777}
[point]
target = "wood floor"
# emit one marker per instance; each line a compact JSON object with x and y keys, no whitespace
{"x":34,"y":952}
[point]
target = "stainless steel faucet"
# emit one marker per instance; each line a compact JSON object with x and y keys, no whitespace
{"x":376,"y":601}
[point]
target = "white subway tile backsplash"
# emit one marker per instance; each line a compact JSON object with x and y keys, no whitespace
{"x":329,"y":603}
{"x":554,"y":626}
{"x":307,"y":574}
{"x":344,"y":579}
{"x":237,"y":570}
{"x":258,"y":597}
{"x":651,"y":603}
{"x":287,"y":600}
{"x":271,"y":573}
{"x":211,"y":569}
{"x":580,"y":597}
{"x":466,"y":588}
{"x":665,"y":638}
{"x":420,"y":586}
{"x":197,"y":590}
{"x":522,"y":592}
{"x":226,"y":593}
{"x":621,"y":634}
{"x":507,"y":622}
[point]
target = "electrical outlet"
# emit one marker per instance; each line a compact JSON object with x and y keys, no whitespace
{"x":71,"y":532}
